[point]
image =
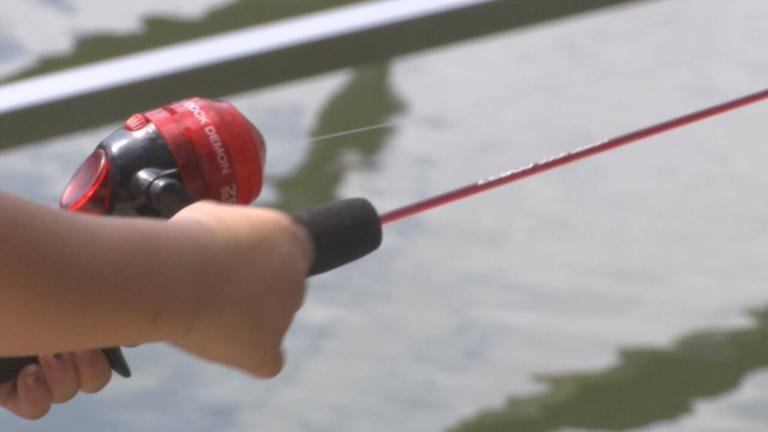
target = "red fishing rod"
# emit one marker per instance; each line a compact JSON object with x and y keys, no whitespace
{"x":506,"y":177}
{"x":164,"y":159}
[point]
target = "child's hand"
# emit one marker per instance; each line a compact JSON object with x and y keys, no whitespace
{"x":58,"y":378}
{"x":255,"y":262}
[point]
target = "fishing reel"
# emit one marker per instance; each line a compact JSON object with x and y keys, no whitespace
{"x":161,"y":160}
{"x":164,"y":159}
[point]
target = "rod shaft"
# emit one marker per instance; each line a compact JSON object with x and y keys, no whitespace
{"x":566,"y":158}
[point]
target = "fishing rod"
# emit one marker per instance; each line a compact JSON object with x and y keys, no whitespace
{"x":506,"y":177}
{"x":164,"y":159}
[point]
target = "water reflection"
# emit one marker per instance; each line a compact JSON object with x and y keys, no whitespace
{"x":366,"y":100}
{"x":648,"y":385}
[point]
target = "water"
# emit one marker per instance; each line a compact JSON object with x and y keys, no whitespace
{"x":66,"y":21}
{"x":608,"y":295}
{"x":79,"y":31}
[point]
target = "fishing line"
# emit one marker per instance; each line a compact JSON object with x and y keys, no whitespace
{"x":356,"y":130}
{"x":489,"y":103}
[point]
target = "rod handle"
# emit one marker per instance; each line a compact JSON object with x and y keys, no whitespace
{"x":342,"y":231}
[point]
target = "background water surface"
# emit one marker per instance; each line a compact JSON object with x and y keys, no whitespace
{"x":623,"y":293}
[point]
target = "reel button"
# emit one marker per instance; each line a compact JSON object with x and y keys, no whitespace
{"x":135,"y":122}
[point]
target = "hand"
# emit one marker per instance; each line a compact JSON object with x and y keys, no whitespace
{"x":56,"y":379}
{"x":254,"y":263}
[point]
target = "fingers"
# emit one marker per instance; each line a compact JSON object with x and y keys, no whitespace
{"x":57,"y":379}
{"x":61,"y":375}
{"x":29,"y":396}
{"x":93,"y":370}
{"x":67,"y":374}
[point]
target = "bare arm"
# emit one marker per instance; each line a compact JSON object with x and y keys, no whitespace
{"x":72,"y":281}
{"x":221,"y":282}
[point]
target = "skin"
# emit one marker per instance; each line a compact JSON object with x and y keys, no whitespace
{"x":221,"y":282}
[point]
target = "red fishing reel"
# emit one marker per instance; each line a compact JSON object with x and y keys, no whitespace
{"x":162,"y":159}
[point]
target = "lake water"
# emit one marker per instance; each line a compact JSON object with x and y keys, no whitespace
{"x":627,"y":292}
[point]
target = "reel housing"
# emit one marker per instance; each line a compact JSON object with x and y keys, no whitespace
{"x":194,"y":149}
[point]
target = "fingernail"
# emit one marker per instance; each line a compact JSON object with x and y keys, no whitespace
{"x":34,"y":377}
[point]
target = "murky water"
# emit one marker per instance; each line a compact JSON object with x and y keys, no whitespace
{"x":609,"y":295}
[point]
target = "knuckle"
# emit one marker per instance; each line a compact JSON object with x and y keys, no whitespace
{"x":94,"y":370}
{"x":272,"y":371}
{"x":300,"y":298}
{"x":35,"y":413}
{"x":273,"y":366}
{"x":97,"y":382}
{"x":64,"y":395}
{"x":5,"y":392}
{"x":32,"y":410}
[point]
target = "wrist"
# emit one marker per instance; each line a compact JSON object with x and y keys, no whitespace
{"x":188,"y":253}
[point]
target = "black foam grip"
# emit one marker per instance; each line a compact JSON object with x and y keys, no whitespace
{"x":11,"y":366}
{"x":343,"y":231}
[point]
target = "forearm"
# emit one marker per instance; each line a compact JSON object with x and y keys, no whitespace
{"x":72,"y":281}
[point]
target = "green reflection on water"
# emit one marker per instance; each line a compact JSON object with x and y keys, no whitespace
{"x":163,"y":31}
{"x":366,"y":100}
{"x":646,"y":386}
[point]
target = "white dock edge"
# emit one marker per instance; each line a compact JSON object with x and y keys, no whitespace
{"x":220,"y":48}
